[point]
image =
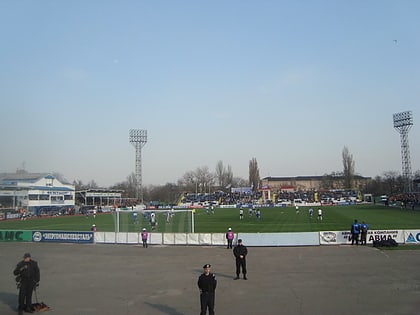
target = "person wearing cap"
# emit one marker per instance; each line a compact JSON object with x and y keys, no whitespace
{"x":28,"y":276}
{"x":144,"y":236}
{"x":207,"y":284}
{"x":240,"y":251}
{"x":93,"y":228}
{"x":229,"y":236}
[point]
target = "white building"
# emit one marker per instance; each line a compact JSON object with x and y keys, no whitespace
{"x":39,"y":194}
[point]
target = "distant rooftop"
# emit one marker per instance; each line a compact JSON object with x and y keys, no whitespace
{"x":23,"y":176}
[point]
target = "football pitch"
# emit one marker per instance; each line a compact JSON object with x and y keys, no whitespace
{"x":272,"y":220}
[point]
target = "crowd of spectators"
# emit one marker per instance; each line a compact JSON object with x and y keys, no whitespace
{"x":251,"y":197}
{"x":406,"y":200}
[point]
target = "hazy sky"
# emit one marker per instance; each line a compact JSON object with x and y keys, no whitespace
{"x":287,"y":82}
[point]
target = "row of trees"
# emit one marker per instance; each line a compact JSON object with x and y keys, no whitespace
{"x":200,"y":180}
{"x":203,"y":180}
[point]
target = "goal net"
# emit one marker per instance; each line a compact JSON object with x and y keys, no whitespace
{"x":161,"y":220}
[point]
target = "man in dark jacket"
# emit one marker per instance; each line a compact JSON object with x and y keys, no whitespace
{"x":207,"y":284}
{"x":355,"y":231}
{"x":28,"y":276}
{"x":240,"y":251}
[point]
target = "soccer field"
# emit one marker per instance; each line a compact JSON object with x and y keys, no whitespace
{"x":272,"y":220}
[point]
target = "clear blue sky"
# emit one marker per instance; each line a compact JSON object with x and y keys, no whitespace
{"x":287,"y":82}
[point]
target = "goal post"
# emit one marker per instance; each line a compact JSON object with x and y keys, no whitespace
{"x":158,"y":220}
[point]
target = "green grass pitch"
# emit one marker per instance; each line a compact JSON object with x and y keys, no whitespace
{"x":272,"y":220}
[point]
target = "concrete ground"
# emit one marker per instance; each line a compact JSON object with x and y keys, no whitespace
{"x":125,"y":279}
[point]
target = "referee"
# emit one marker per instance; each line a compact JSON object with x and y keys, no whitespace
{"x":207,"y":284}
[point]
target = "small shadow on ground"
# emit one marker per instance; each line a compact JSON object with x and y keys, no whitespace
{"x":9,"y":299}
{"x":218,"y":275}
{"x":164,"y":309}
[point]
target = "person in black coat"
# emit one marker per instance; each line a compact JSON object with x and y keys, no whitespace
{"x":207,"y":284}
{"x":27,"y":276}
{"x":240,"y":251}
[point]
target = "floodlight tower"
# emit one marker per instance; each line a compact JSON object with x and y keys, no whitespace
{"x":138,"y":139}
{"x":402,"y":123}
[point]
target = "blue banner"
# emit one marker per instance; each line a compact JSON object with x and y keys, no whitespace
{"x":63,"y":237}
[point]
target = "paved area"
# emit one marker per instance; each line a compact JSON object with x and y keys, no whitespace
{"x":125,"y":279}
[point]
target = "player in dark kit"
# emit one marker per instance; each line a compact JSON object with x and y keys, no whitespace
{"x":240,"y":251}
{"x":28,"y":276}
{"x":207,"y":284}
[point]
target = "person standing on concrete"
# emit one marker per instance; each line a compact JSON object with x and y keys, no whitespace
{"x":355,"y":231}
{"x":144,"y":236}
{"x":28,"y":276}
{"x":240,"y":251}
{"x":229,"y":236}
{"x":207,"y":284}
{"x":363,"y":232}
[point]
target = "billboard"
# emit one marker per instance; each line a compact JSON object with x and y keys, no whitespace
{"x":63,"y":237}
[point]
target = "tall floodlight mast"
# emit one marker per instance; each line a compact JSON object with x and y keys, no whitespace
{"x":138,"y":139}
{"x":402,"y":123}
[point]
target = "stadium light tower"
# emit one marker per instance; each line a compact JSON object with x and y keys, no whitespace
{"x":402,"y":123}
{"x":138,"y":139}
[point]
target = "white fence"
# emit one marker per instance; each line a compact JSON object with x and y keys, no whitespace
{"x":258,"y":239}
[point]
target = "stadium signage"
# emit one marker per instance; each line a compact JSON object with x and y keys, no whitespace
{"x":63,"y":237}
{"x":15,"y":236}
{"x":344,"y":237}
{"x":412,"y":236}
{"x":10,"y":215}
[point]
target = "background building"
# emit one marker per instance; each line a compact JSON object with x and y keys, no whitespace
{"x":36,"y":193}
{"x":308,"y":183}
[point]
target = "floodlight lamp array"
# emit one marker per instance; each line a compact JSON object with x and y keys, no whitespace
{"x":403,"y":119}
{"x":138,"y":136}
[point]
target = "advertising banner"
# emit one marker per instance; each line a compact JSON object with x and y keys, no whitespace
{"x":412,"y":236}
{"x":280,"y":239}
{"x":344,"y":237}
{"x":63,"y":236}
{"x":15,"y":236}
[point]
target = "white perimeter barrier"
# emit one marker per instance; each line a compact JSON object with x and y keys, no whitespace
{"x":280,"y":239}
{"x":344,"y":237}
{"x":211,"y":239}
{"x":259,"y":239}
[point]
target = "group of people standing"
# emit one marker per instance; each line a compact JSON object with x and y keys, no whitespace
{"x":251,"y":211}
{"x":207,"y":281}
{"x":359,"y":232}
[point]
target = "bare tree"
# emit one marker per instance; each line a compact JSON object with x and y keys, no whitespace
{"x":199,"y":180}
{"x":239,"y":182}
{"x":204,"y":178}
{"x":220,"y":170}
{"x":254,"y":174}
{"x":348,"y":168}
{"x":393,"y":183}
{"x":131,"y":185}
{"x":188,"y":181}
{"x":78,"y":184}
{"x":223,"y":175}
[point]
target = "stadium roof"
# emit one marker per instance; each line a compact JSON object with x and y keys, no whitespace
{"x":11,"y":179}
